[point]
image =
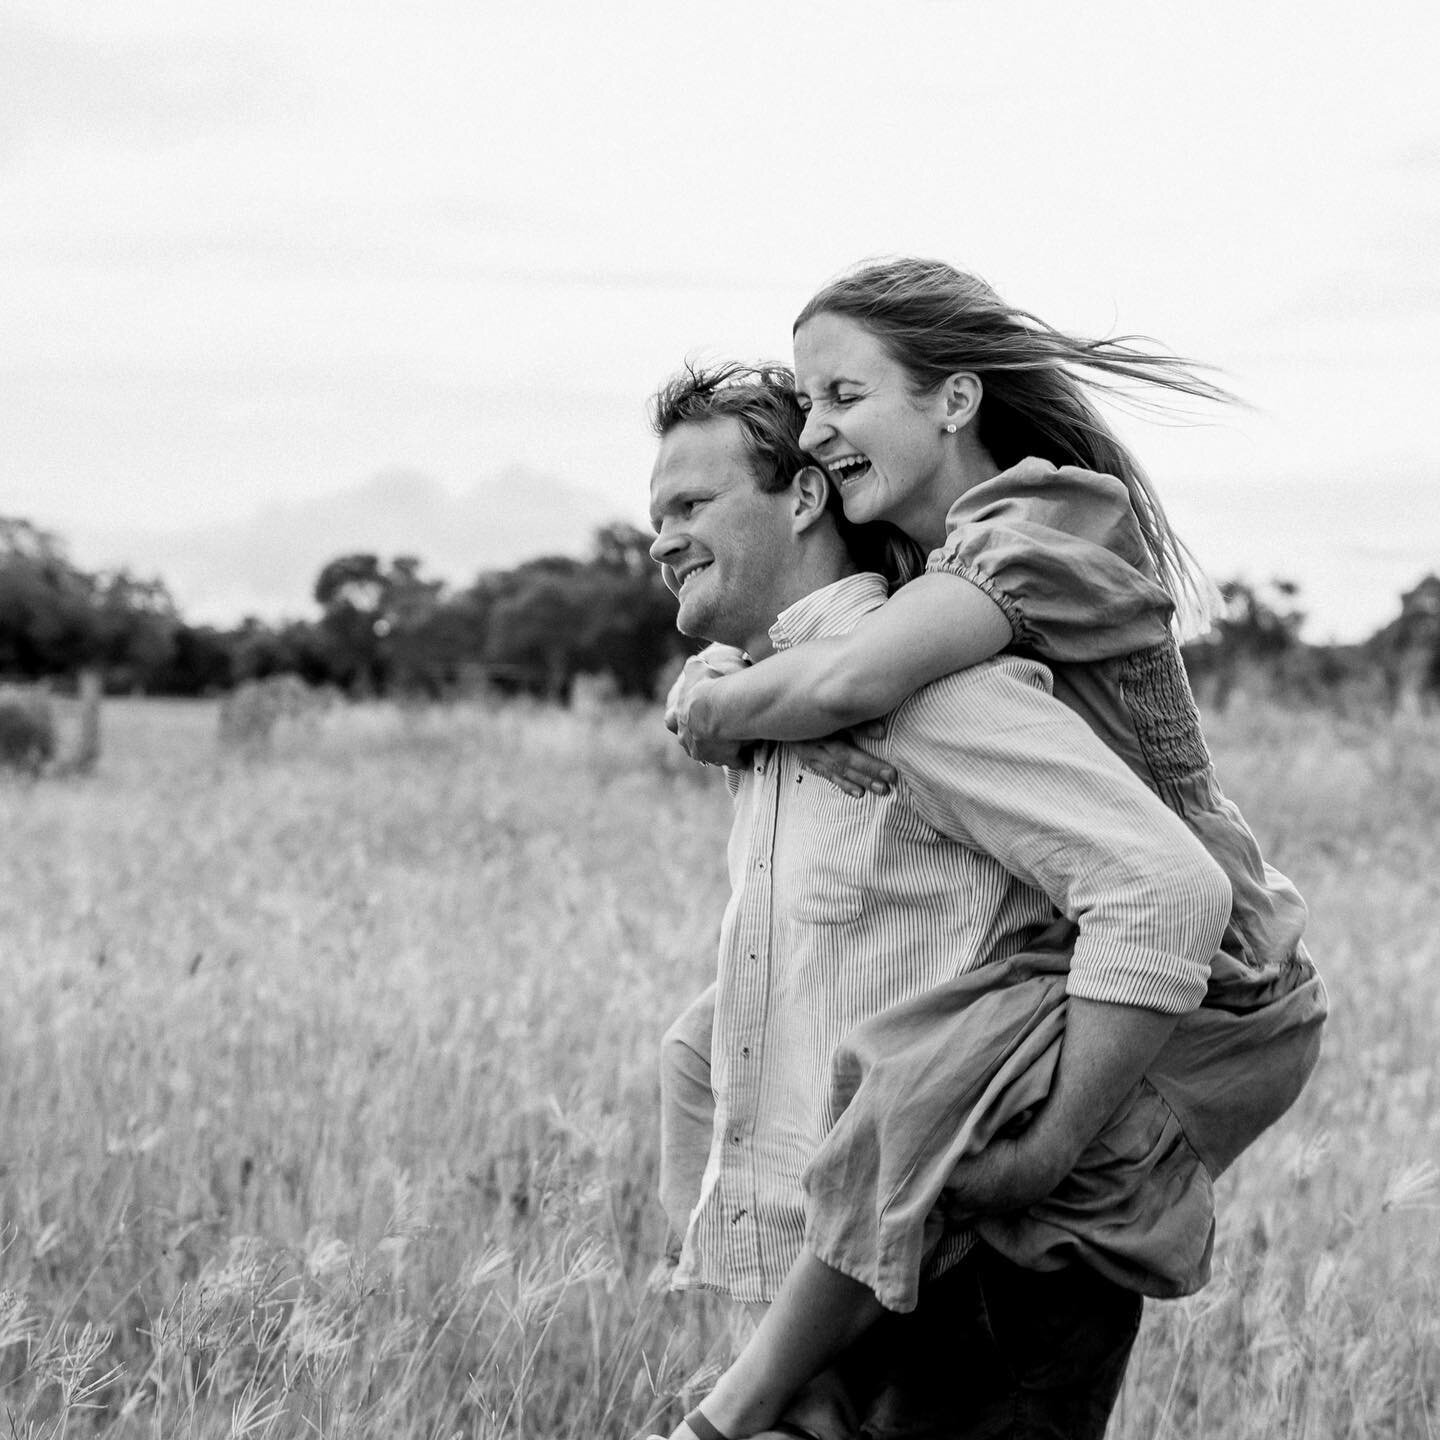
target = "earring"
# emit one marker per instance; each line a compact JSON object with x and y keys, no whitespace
{"x":950,"y":429}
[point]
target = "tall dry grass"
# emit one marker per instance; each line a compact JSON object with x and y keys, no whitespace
{"x":328,"y":1099}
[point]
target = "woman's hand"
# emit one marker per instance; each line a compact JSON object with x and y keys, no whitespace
{"x":836,"y":758}
{"x":685,"y":719}
{"x":844,"y":764}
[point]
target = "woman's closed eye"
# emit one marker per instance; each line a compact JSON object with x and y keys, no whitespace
{"x":828,"y":402}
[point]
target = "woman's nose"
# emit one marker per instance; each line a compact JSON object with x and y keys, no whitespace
{"x":812,"y":432}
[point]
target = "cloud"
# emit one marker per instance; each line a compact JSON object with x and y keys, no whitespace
{"x":1422,"y":158}
{"x":109,"y":92}
{"x":321,"y":240}
{"x":266,"y":564}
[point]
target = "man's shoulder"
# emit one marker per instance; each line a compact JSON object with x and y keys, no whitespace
{"x":1005,"y":705}
{"x":1011,"y":678}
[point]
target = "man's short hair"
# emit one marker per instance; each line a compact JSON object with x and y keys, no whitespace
{"x":762,"y":399}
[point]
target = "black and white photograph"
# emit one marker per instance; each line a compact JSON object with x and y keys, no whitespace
{"x":719,"y":723}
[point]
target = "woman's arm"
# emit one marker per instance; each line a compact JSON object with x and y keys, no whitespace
{"x":837,"y":757}
{"x":937,"y":624}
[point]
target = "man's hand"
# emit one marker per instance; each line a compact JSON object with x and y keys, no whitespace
{"x":1006,"y":1175}
{"x":684,"y":718}
{"x":1105,"y":1053}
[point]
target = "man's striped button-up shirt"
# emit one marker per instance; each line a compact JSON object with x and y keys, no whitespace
{"x":1008,"y":810}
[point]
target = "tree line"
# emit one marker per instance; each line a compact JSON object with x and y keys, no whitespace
{"x":386,"y":629}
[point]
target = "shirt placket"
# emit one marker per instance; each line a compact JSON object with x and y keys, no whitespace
{"x":753,"y":950}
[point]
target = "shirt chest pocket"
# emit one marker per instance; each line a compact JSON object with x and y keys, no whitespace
{"x":824,"y":854}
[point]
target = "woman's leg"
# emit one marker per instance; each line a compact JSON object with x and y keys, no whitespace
{"x":817,"y":1314}
{"x":687,"y":1110}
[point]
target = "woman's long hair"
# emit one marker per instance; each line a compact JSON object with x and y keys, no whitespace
{"x":935,"y":320}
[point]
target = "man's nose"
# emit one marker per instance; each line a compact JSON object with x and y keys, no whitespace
{"x":667,"y":545}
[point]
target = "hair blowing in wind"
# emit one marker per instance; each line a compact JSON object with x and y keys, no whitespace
{"x":935,"y":320}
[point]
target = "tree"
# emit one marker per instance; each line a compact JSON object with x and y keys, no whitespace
{"x":1407,"y":650}
{"x":381,"y":625}
{"x":1258,"y":628}
{"x":629,"y":628}
{"x":351,"y":590}
{"x":200,"y":663}
{"x":624,"y":549}
{"x":48,"y":620}
{"x":533,"y":629}
{"x":555,"y":618}
{"x":136,"y":628}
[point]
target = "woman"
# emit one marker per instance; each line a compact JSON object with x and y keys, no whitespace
{"x":935,"y":407}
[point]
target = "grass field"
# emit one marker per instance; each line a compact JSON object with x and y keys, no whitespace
{"x":327,"y":1104}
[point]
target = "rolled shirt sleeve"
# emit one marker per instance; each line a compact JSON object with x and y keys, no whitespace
{"x":1032,"y":786}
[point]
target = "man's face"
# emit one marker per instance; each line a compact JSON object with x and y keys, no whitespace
{"x":723,"y":544}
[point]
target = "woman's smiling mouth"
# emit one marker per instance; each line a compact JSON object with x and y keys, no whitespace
{"x":847,"y":469}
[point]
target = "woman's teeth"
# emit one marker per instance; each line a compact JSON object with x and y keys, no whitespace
{"x":850,"y":468}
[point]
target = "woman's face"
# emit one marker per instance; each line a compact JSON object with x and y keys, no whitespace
{"x":883,"y":448}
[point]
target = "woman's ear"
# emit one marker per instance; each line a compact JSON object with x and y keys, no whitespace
{"x":960,"y":398}
{"x":810,"y":492}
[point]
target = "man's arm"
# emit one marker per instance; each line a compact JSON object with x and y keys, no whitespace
{"x":1107,"y":1049}
{"x":995,"y":762}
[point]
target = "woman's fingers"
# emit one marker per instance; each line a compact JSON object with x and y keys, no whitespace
{"x":846,"y":766}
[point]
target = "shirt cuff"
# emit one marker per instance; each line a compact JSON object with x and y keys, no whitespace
{"x":1148,"y":979}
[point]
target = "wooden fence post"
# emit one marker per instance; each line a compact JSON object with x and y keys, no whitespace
{"x":87,"y":753}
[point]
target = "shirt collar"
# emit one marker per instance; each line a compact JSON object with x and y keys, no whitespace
{"x":834,"y":609}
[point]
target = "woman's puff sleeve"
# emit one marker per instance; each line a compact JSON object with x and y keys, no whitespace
{"x":1060,"y":550}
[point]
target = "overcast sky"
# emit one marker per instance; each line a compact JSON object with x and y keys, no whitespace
{"x":253,"y":257}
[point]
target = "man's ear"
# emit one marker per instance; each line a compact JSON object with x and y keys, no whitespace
{"x":960,"y":398}
{"x":810,"y":494}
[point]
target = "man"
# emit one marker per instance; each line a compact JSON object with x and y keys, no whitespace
{"x":1007,"y":809}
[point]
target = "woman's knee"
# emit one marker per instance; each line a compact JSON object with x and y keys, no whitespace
{"x":685,"y":1047}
